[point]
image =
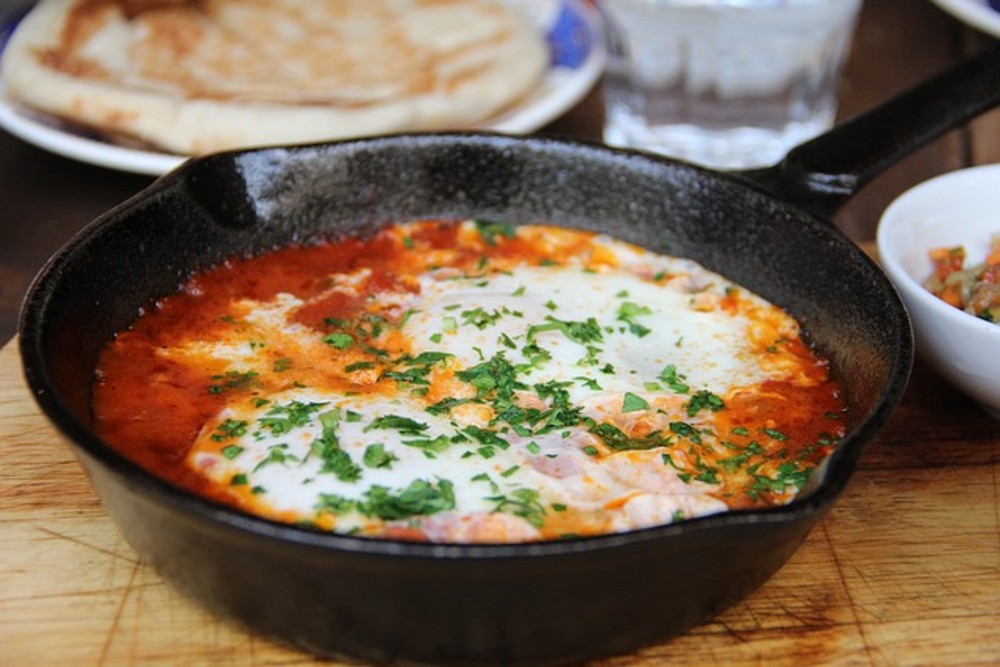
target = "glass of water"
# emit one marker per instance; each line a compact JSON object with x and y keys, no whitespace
{"x":727,"y":84}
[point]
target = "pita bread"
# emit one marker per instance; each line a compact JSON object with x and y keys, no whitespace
{"x":197,"y":76}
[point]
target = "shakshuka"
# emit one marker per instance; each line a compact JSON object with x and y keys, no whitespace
{"x":470,"y":381}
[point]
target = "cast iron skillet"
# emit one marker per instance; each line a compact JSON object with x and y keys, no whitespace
{"x":385,"y":600}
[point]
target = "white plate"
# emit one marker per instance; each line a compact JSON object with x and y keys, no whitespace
{"x":976,"y":13}
{"x":574,"y":33}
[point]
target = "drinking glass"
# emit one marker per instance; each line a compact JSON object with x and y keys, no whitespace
{"x":724,"y":83}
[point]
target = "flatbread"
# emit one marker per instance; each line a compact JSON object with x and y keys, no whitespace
{"x":197,"y":76}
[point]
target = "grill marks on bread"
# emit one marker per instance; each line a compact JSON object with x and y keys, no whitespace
{"x":272,"y":50}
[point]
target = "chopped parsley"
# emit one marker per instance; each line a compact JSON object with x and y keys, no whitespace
{"x":277,"y":454}
{"x":480,"y":318}
{"x":419,"y":498}
{"x":772,"y":433}
{"x":485,"y":436}
{"x":483,"y":477}
{"x":230,"y":428}
{"x":231,"y":451}
{"x":633,"y":403}
{"x":327,"y":448}
{"x":685,"y":430}
{"x":704,"y":400}
{"x":524,"y":503}
{"x":404,"y":425}
{"x":446,"y":404}
{"x":495,"y":375}
{"x":416,"y":375}
{"x":234,"y":380}
{"x":281,"y":419}
{"x":618,"y":440}
{"x":588,"y":331}
{"x":376,"y":456}
{"x":339,"y":340}
{"x":334,"y":504}
{"x":787,"y":475}
{"x":506,"y":341}
{"x":358,"y":366}
{"x":674,"y":380}
{"x":628,"y":311}
{"x":490,"y":231}
{"x":430,"y":446}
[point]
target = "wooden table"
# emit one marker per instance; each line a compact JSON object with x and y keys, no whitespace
{"x":905,"y":569}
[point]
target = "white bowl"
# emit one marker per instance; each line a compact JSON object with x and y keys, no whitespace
{"x":959,"y":208}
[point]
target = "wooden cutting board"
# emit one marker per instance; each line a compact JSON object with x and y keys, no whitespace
{"x":904,"y":570}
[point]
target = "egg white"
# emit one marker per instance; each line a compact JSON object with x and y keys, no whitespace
{"x":474,"y":319}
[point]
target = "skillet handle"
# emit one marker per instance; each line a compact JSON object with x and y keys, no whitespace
{"x":821,"y":174}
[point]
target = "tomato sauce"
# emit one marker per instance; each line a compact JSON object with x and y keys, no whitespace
{"x":152,"y":405}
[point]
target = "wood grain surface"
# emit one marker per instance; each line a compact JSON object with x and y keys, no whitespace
{"x":904,"y":571}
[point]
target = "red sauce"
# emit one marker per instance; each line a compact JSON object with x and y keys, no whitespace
{"x":151,"y":407}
